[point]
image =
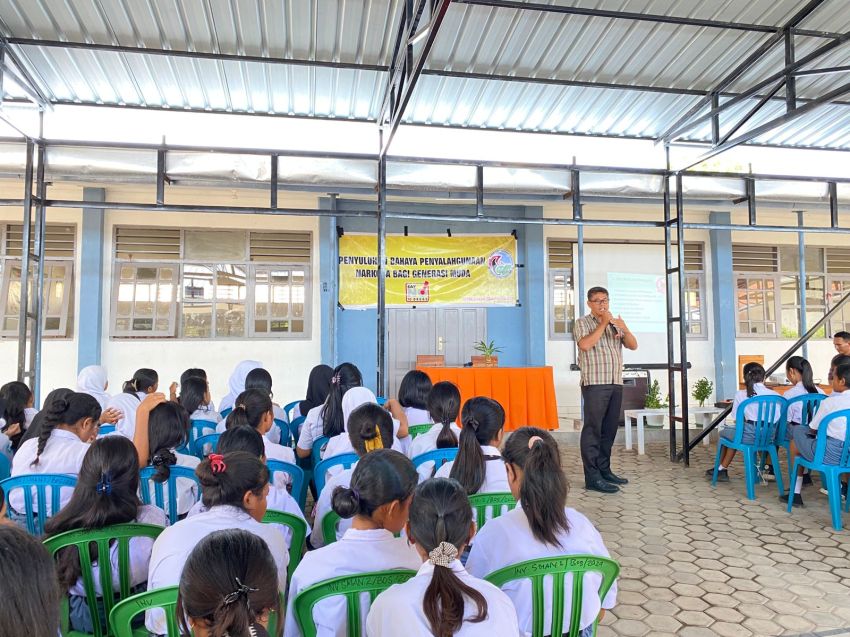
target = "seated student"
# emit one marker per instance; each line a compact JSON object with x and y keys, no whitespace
{"x":413,"y":397}
{"x":378,"y":500}
{"x":236,"y":383}
{"x":106,"y":493}
{"x":352,"y":400}
{"x":370,"y":428}
{"x":195,"y":399}
{"x":144,"y":382}
{"x":443,"y":599}
{"x":18,"y":412}
{"x":327,"y":419}
{"x":93,"y":380}
{"x":234,"y":488}
{"x":261,"y":379}
{"x":28,"y":586}
{"x":69,"y":425}
{"x":804,"y":441}
{"x":318,"y":386}
{"x":478,"y":465}
{"x":243,"y":438}
{"x":540,"y":526}
{"x":754,"y":375}
{"x":228,"y":587}
{"x":443,"y":408}
{"x":254,"y":409}
{"x":193,"y":372}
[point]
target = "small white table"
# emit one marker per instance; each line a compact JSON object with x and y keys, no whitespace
{"x":701,"y":416}
{"x":639,"y":416}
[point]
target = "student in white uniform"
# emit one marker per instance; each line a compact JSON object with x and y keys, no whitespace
{"x":804,"y":442}
{"x":261,"y":379}
{"x":754,"y":376}
{"x":318,"y":386}
{"x":370,"y":428}
{"x":278,"y":499}
{"x":17,"y":412}
{"x":145,"y":381}
{"x":378,"y":500}
{"x":413,"y":397}
{"x":197,"y":372}
{"x":234,"y":487}
{"x":478,"y":466}
{"x":195,"y":399}
{"x":93,"y":380}
{"x":443,"y":407}
{"x":236,"y":383}
{"x":228,"y":587}
{"x":69,"y":425}
{"x":327,"y":419}
{"x":443,"y":599}
{"x":353,"y":399}
{"x":254,"y":409}
{"x":106,"y":493}
{"x":540,"y":526}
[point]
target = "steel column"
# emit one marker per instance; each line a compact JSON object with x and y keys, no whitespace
{"x":671,"y":353}
{"x":790,"y":80}
{"x":381,"y":383}
{"x":38,"y":275}
{"x":801,"y":256}
{"x":25,"y":264}
{"x":683,"y":324}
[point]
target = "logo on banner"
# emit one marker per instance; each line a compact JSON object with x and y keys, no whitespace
{"x":501,"y":264}
{"x":418,"y":292}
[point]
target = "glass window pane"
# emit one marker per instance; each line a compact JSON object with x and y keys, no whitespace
{"x":789,"y":260}
{"x":197,"y":320}
{"x":560,"y":327}
{"x":814,"y":259}
{"x":54,"y":293}
{"x":229,"y":319}
{"x":127,"y":273}
{"x":790,"y":323}
{"x":279,"y":326}
{"x":230,"y":283}
{"x":10,"y":323}
{"x":52,"y":323}
{"x":142,"y":324}
{"x":197,"y":282}
{"x":789,"y":290}
{"x":122,"y":324}
{"x":298,"y":326}
{"x":260,"y":326}
{"x":145,"y":274}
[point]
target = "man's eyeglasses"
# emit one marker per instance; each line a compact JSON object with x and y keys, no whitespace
{"x":598,"y":301}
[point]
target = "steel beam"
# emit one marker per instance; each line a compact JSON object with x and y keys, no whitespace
{"x":790,"y":80}
{"x":23,"y":77}
{"x":381,"y":305}
{"x":25,"y":263}
{"x":748,"y":115}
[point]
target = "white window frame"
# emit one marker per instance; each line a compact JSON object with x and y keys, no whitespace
{"x":290,"y":318}
{"x":67,"y":282}
{"x":170,"y":331}
{"x":570,"y":311}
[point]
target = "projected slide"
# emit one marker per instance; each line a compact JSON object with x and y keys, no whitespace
{"x":640,"y":300}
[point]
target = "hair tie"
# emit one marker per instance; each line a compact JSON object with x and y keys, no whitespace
{"x":157,"y":460}
{"x":335,"y":379}
{"x":217,"y":464}
{"x":241,"y":590}
{"x":105,"y":485}
{"x":241,"y":406}
{"x":534,"y":439}
{"x":443,"y":555}
{"x":374,"y":443}
{"x":474,"y":424}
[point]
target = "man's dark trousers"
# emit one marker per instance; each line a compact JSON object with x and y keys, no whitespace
{"x":601,"y":416}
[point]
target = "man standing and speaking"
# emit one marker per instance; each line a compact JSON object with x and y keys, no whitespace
{"x":600,"y":338}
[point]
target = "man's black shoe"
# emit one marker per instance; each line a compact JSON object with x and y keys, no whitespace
{"x":613,"y":478}
{"x":600,"y":485}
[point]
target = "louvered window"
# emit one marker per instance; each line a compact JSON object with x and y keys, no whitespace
{"x":755,"y":258}
{"x":140,"y":243}
{"x":561,"y":292}
{"x":59,"y":241}
{"x":281,"y":247}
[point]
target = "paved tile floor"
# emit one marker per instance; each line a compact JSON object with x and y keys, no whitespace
{"x":698,"y":560}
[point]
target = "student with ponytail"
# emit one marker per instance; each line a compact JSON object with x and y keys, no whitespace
{"x":253,"y":408}
{"x":228,"y":587}
{"x":327,"y":419}
{"x":370,"y":428}
{"x":378,"y":500}
{"x":106,"y":493}
{"x":443,"y":408}
{"x":443,"y":599}
{"x":540,"y":526}
{"x":144,"y":381}
{"x":195,"y":399}
{"x":234,"y":488}
{"x":69,"y":425}
{"x":800,"y":374}
{"x":261,"y":379}
{"x":353,"y":399}
{"x":478,"y":466}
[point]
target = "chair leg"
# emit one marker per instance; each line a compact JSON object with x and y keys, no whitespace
{"x":794,"y":470}
{"x":717,"y":463}
{"x":834,"y":497}
{"x":777,"y":471}
{"x":750,"y":473}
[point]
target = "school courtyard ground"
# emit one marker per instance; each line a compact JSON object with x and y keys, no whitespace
{"x":701,"y":561}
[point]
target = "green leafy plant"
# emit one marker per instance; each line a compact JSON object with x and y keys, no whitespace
{"x":487,"y":349}
{"x":653,"y":397}
{"x":702,"y":390}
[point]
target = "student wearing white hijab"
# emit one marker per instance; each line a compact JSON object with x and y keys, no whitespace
{"x":93,"y":380}
{"x":236,"y":384}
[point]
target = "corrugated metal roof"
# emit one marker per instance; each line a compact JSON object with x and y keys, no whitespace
{"x":490,"y":67}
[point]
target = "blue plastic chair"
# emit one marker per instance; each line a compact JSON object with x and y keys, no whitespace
{"x":320,"y":471}
{"x":285,"y":435}
{"x":299,"y":479}
{"x":159,"y":489}
{"x":198,"y":448}
{"x":318,"y":446}
{"x":105,"y":430}
{"x":831,"y":472}
{"x":295,"y":428}
{"x":810,"y":405}
{"x":5,"y":466}
{"x":288,"y":407}
{"x":41,"y":482}
{"x":198,"y":428}
{"x":381,"y":400}
{"x":771,"y":417}
{"x":438,"y":456}
{"x":225,"y":412}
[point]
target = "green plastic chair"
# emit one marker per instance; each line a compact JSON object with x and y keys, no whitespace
{"x":329,"y":524}
{"x":537,"y":570}
{"x":495,"y":502}
{"x":352,"y":586}
{"x":299,"y":534}
{"x":103,"y":538}
{"x":418,"y":430}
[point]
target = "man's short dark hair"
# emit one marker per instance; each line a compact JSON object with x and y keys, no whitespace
{"x":842,"y":335}
{"x":601,"y":290}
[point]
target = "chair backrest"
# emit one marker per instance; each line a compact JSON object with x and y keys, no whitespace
{"x":329,"y":523}
{"x":810,"y":405}
{"x":438,"y":456}
{"x":203,"y":446}
{"x":494,"y":502}
{"x":771,"y":412}
{"x":105,"y":430}
{"x":318,"y":445}
{"x":299,"y":480}
{"x":320,"y":472}
{"x":285,"y":434}
{"x":295,"y":428}
{"x":557,"y":567}
{"x":121,"y":616}
{"x":351,"y":586}
{"x":381,"y":400}
{"x":418,"y":430}
{"x":224,"y":413}
{"x":5,"y":466}
{"x":288,"y":407}
{"x":199,"y":427}
{"x":299,"y":533}
{"x":40,"y":484}
{"x":820,"y":446}
{"x":169,"y":487}
{"x":104,"y":539}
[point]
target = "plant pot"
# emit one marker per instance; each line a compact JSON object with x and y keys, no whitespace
{"x":656,"y":418}
{"x":485,"y":361}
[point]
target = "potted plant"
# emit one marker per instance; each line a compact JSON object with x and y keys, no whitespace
{"x":654,"y":402}
{"x":702,"y":390}
{"x":488,"y":356}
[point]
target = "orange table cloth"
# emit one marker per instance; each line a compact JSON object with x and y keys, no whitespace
{"x":526,"y":393}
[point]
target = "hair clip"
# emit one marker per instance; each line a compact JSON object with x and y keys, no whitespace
{"x":533,"y":440}
{"x":157,"y":460}
{"x":374,"y":443}
{"x":443,"y":555}
{"x":335,"y":379}
{"x":105,"y":484}
{"x":217,"y":463}
{"x":241,"y":590}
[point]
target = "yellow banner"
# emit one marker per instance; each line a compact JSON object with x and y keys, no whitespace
{"x":429,"y":270}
